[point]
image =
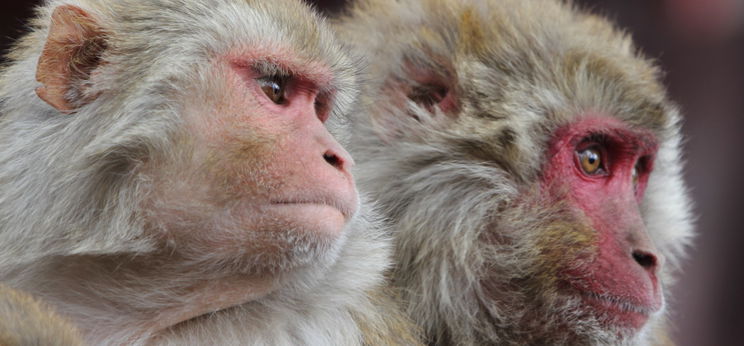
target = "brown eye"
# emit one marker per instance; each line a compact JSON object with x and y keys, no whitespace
{"x":275,"y":88}
{"x":591,"y":160}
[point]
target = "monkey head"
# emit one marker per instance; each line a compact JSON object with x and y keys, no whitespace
{"x":529,"y":160}
{"x":243,"y":141}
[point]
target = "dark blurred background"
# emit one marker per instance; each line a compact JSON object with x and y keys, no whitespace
{"x":700,"y":45}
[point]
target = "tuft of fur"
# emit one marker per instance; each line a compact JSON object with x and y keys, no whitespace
{"x":74,"y":188}
{"x":26,"y":321}
{"x":461,"y":187}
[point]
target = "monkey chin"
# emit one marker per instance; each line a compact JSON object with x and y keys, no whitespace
{"x":316,"y":217}
{"x":624,"y":300}
{"x":620,"y":311}
{"x":617,"y":312}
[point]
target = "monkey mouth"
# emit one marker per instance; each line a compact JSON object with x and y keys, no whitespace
{"x":315,"y":202}
{"x":617,"y":310}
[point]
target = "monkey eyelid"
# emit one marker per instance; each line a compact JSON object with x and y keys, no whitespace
{"x":270,"y":69}
{"x":279,"y":79}
{"x":594,"y":138}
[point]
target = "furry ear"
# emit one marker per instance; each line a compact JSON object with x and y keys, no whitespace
{"x":422,"y":91}
{"x":72,"y":51}
{"x":431,"y":77}
{"x":432,"y":85}
{"x":421,"y":94}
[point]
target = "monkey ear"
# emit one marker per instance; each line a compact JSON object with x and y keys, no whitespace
{"x":426,"y":81}
{"x":72,"y":51}
{"x":432,"y":86}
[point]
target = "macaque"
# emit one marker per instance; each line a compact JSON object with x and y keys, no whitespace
{"x":528,"y":158}
{"x":168,"y":175}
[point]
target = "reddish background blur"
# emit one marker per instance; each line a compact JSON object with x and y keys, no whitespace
{"x":700,"y":45}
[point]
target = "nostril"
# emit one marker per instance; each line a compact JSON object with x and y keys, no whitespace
{"x":333,"y":160}
{"x":645,"y":259}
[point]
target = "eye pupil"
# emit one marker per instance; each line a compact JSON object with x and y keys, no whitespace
{"x":590,"y":160}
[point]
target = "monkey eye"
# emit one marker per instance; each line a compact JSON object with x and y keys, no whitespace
{"x":275,"y":88}
{"x":590,"y":160}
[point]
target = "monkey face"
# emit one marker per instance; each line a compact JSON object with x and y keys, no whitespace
{"x":261,"y":165}
{"x":601,"y":255}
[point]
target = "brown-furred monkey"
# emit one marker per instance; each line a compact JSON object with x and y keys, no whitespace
{"x":529,"y":160}
{"x":167,"y":176}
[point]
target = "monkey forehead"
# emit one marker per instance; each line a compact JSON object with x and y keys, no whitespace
{"x":284,"y":58}
{"x":639,"y":140}
{"x":295,"y":38}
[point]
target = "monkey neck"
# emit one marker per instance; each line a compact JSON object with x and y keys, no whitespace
{"x":211,"y":296}
{"x":148,"y":294}
{"x":135,"y":300}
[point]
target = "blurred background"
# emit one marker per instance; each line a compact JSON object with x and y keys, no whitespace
{"x":700,"y":46}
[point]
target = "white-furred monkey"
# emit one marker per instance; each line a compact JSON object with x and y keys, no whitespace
{"x":167,"y":176}
{"x":529,"y":160}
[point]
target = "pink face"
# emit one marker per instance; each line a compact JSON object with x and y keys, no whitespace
{"x":263,"y":168}
{"x":604,"y":166}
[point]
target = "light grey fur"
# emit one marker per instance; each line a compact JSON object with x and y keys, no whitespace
{"x":72,"y":194}
{"x":452,"y":182}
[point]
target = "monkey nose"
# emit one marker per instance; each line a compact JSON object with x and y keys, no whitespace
{"x":339,"y":159}
{"x":333,"y":159}
{"x":646,"y":259}
{"x":643,"y":251}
